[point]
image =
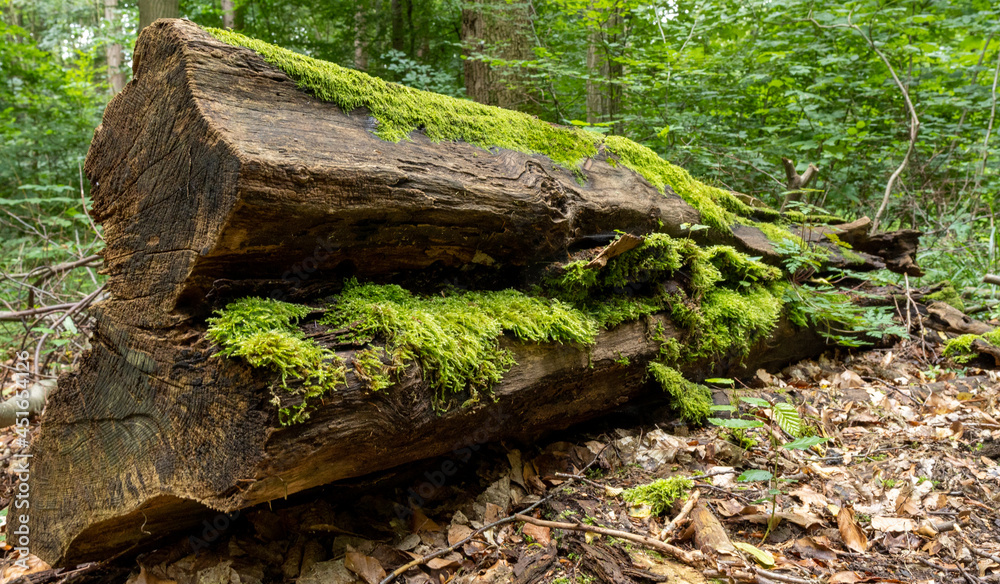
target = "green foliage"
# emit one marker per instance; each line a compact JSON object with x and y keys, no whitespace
{"x":692,"y":400}
{"x":835,"y":316}
{"x":660,"y":494}
{"x":263,"y":333}
{"x":455,"y":338}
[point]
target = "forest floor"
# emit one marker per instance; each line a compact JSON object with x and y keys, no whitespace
{"x":905,"y":490}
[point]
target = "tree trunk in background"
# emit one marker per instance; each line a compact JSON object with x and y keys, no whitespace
{"x":150,"y":10}
{"x":360,"y":40}
{"x":498,"y":30}
{"x":116,"y":78}
{"x":228,"y":14}
{"x":603,"y":94}
{"x":396,"y":10}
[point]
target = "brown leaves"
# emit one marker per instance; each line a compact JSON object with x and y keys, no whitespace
{"x":365,"y":566}
{"x":850,"y":531}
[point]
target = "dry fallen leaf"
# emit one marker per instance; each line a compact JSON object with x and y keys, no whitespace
{"x":367,"y":567}
{"x":891,"y":524}
{"x":845,"y":578}
{"x":457,"y":533}
{"x":538,"y":533}
{"x":850,"y":531}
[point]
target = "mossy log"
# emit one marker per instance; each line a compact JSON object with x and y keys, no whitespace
{"x":214,"y":177}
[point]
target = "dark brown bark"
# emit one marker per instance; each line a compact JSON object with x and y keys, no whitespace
{"x":151,"y":10}
{"x":214,"y":175}
{"x":398,"y":34}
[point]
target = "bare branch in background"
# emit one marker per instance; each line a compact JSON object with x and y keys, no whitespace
{"x":914,"y":120}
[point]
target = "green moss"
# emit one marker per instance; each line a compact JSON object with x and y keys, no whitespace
{"x":262,"y":332}
{"x":400,"y":110}
{"x":959,"y":349}
{"x":852,"y":258}
{"x":718,"y":207}
{"x":371,"y":368}
{"x":691,"y":400}
{"x":727,"y":320}
{"x":455,"y":338}
{"x":775,"y":233}
{"x":948,"y":295}
{"x":659,"y":494}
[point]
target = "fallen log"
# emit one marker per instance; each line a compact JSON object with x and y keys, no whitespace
{"x":216,"y":177}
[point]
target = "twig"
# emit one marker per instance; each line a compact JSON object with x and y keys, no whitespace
{"x":83,"y":199}
{"x":690,"y":558}
{"x":20,"y":314}
{"x":914,"y":120}
{"x":563,"y":475}
{"x":46,"y":271}
{"x":685,"y":510}
{"x":509,"y":519}
{"x":989,"y":127}
{"x":76,"y":308}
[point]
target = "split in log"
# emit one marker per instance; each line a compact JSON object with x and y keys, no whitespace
{"x":217,"y":177}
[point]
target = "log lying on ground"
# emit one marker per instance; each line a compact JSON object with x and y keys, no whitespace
{"x":215,"y":176}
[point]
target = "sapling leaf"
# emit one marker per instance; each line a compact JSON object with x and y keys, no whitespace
{"x":754,"y":475}
{"x":756,"y":402}
{"x":804,"y":443}
{"x":788,"y":418}
{"x":736,"y":423}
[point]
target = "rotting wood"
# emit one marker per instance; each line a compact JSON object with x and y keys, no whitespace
{"x":215,"y":177}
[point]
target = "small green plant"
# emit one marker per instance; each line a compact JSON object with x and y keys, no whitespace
{"x":660,"y":494}
{"x":784,"y":417}
{"x":888,"y":483}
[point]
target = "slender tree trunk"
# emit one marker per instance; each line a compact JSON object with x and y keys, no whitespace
{"x":113,"y":51}
{"x":398,"y":37}
{"x":228,"y":14}
{"x":603,"y":94}
{"x":150,"y":10}
{"x":360,"y":40}
{"x":499,"y":30}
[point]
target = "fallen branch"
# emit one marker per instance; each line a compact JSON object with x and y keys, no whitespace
{"x":509,"y":519}
{"x":691,"y":558}
{"x":685,"y":510}
{"x":19,"y":314}
{"x":47,"y":271}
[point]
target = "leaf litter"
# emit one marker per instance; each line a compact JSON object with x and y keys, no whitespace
{"x":905,"y":489}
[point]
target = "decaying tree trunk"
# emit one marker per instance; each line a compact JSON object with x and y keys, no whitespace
{"x":215,"y":177}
